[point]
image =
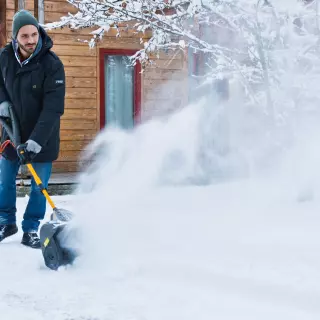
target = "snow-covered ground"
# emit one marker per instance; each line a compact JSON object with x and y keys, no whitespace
{"x":155,"y":249}
{"x":222,"y":252}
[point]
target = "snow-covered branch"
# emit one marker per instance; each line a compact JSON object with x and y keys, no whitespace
{"x":242,"y":40}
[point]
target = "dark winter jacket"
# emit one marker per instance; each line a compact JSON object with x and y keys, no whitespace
{"x":36,"y":91}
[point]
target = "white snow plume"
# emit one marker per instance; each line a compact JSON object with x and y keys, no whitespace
{"x":159,"y":244}
{"x":159,"y":205}
{"x":208,"y":207}
{"x":164,"y":150}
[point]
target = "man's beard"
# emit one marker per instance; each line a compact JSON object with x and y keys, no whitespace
{"x":26,"y":49}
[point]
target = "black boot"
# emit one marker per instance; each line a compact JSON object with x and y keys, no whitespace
{"x":7,"y":230}
{"x":31,"y":239}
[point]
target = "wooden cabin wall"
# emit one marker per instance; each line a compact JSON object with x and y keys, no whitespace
{"x":165,"y":85}
{"x":81,"y":121}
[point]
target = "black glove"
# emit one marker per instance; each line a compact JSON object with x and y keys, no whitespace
{"x":8,"y":151}
{"x":25,"y":155}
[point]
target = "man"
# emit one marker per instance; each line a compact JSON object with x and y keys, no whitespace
{"x":32,"y":83}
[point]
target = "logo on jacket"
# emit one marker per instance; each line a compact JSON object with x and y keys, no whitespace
{"x":59,"y":81}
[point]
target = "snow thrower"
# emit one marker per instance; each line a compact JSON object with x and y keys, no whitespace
{"x":52,"y":233}
{"x":54,"y":252}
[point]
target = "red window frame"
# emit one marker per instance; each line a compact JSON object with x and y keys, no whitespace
{"x":137,"y":85}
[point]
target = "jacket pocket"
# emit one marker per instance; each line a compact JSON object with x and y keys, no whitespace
{"x":36,"y":84}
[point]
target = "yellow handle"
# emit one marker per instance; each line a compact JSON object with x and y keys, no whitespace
{"x":39,"y":184}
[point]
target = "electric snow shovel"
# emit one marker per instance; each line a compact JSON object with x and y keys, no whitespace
{"x":51,"y":233}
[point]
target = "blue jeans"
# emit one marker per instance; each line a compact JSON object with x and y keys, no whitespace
{"x":36,"y":207}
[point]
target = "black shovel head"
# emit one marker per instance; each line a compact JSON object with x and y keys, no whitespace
{"x":55,"y":249}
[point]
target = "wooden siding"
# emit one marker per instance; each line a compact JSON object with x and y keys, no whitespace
{"x":165,"y":84}
{"x":80,"y":123}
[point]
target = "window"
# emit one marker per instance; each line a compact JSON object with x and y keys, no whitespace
{"x":19,"y":4}
{"x":39,"y":10}
{"x":120,"y":89}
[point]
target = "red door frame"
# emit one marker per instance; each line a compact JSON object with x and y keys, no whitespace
{"x":137,"y":85}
